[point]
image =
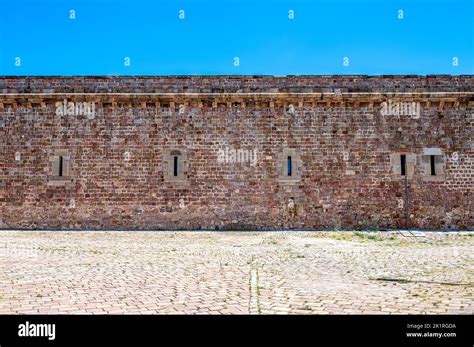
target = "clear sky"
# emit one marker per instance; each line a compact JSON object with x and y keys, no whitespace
{"x":40,"y":37}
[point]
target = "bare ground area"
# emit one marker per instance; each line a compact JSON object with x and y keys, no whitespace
{"x":235,"y":272}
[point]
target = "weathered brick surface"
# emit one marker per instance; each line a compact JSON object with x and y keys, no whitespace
{"x":153,"y":84}
{"x":118,"y":160}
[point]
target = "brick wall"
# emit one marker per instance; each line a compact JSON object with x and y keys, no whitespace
{"x":233,"y":137}
{"x":154,"y":84}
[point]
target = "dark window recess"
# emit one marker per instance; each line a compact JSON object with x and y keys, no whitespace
{"x":403,"y":164}
{"x":175,"y":166}
{"x":289,"y":166}
{"x":433,"y":165}
{"x":61,"y":165}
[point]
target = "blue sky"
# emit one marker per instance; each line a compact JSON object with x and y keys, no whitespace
{"x":214,"y":32}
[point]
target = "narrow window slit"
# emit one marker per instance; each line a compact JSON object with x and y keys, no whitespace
{"x":433,"y":165}
{"x":289,"y":166}
{"x":175,"y":166}
{"x":403,"y":164}
{"x":61,"y":164}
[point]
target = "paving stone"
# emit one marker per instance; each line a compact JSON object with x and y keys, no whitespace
{"x":132,"y":273}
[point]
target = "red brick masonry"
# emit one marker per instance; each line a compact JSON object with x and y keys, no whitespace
{"x":201,"y":152}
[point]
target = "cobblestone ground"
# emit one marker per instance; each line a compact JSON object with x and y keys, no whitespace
{"x":235,"y":272}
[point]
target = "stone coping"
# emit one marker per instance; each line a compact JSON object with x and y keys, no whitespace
{"x":225,"y":84}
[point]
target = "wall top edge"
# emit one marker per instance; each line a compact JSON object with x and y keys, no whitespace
{"x":242,"y":84}
{"x":234,"y":76}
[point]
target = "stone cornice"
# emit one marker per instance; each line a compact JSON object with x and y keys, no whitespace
{"x":237,"y":91}
{"x":240,"y":99}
